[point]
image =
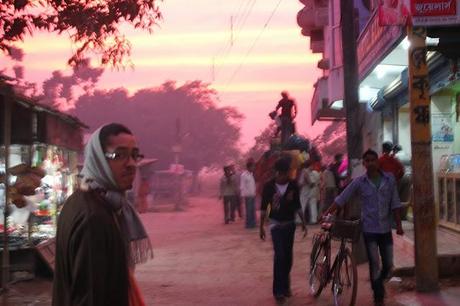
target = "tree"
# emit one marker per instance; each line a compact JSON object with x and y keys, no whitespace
{"x":331,"y":141}
{"x":209,"y":134}
{"x":58,"y":90}
{"x":93,"y":25}
{"x":261,"y":143}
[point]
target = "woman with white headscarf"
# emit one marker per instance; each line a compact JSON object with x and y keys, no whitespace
{"x":100,"y":237}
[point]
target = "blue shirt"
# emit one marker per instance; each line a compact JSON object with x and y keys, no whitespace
{"x":376,"y":204}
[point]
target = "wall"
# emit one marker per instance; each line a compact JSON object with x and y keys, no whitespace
{"x":372,"y":131}
{"x":441,"y":109}
{"x":404,"y":134}
{"x":387,"y":131}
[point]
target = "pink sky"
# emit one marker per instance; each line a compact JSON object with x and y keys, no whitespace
{"x":187,"y":42}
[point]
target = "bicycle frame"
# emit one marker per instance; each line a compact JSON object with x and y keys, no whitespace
{"x":322,"y":271}
{"x":327,"y":245}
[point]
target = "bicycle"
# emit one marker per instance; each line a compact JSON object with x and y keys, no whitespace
{"x":343,"y":272}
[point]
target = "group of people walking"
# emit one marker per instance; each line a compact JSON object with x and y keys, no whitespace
{"x":100,"y":237}
{"x":234,"y":189}
{"x":317,"y":192}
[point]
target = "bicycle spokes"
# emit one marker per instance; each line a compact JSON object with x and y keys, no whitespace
{"x":318,"y":269}
{"x":344,"y":285}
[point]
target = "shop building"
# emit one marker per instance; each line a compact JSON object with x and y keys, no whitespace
{"x":39,"y":136}
{"x":383,"y":90}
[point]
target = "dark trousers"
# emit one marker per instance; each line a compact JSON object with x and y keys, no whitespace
{"x":283,"y":242}
{"x":236,"y":208}
{"x":250,"y":211}
{"x":379,"y":244}
{"x":230,"y":203}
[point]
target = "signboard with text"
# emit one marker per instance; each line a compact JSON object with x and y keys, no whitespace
{"x":435,"y":12}
{"x":419,"y":12}
{"x":374,"y":43}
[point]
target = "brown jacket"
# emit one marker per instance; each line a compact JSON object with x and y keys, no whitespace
{"x":91,"y":262}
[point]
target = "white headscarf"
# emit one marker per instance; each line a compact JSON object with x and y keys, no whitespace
{"x":97,"y":175}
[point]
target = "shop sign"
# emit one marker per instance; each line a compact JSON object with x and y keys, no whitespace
{"x":435,"y":12}
{"x":374,"y":43}
{"x":393,"y":12}
{"x":423,"y":8}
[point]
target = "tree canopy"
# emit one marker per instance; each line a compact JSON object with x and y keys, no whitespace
{"x":331,"y":141}
{"x":168,"y":115}
{"x":93,"y":25}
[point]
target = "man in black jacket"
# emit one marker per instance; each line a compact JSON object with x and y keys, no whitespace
{"x":280,"y":200}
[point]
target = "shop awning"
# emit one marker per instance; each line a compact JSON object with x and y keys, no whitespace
{"x":34,"y":122}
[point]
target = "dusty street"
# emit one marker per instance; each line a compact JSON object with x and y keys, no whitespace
{"x":200,"y":261}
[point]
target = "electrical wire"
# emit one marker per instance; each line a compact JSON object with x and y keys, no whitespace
{"x":239,"y":24}
{"x":254,"y":43}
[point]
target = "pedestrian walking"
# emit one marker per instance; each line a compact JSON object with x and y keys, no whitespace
{"x":100,"y":237}
{"x":248,"y":192}
{"x":379,"y":197}
{"x":328,"y":188}
{"x":229,"y":193}
{"x":389,"y":163}
{"x":238,"y":207}
{"x":309,"y":191}
{"x":334,"y":168}
{"x":280,"y":203}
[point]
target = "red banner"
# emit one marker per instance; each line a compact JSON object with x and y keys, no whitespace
{"x":393,"y":12}
{"x":425,"y":8}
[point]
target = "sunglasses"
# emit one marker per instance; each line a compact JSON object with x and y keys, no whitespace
{"x":124,"y":155}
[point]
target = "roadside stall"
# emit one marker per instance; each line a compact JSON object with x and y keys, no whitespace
{"x":38,"y":163}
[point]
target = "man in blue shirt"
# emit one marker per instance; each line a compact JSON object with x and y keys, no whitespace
{"x":379,"y":198}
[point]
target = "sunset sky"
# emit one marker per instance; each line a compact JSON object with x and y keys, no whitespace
{"x":266,"y":57}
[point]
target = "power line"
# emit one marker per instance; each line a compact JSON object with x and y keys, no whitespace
{"x":254,"y":43}
{"x":238,"y":24}
{"x":235,"y":20}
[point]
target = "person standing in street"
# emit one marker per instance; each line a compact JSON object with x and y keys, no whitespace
{"x":238,"y":207}
{"x":379,"y":197}
{"x":100,"y":237}
{"x":309,"y":192}
{"x":248,"y":192}
{"x":281,"y":202}
{"x":334,"y":168}
{"x":389,"y":163}
{"x":328,"y":189}
{"x":229,"y":192}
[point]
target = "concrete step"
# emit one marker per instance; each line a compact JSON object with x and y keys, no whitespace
{"x":448,"y":243}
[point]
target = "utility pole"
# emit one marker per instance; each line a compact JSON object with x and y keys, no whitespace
{"x":426,"y":262}
{"x":352,"y":110}
{"x":6,"y":141}
{"x":351,"y":83}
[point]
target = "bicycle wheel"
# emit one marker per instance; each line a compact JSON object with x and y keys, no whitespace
{"x":318,"y":267}
{"x":345,"y":281}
